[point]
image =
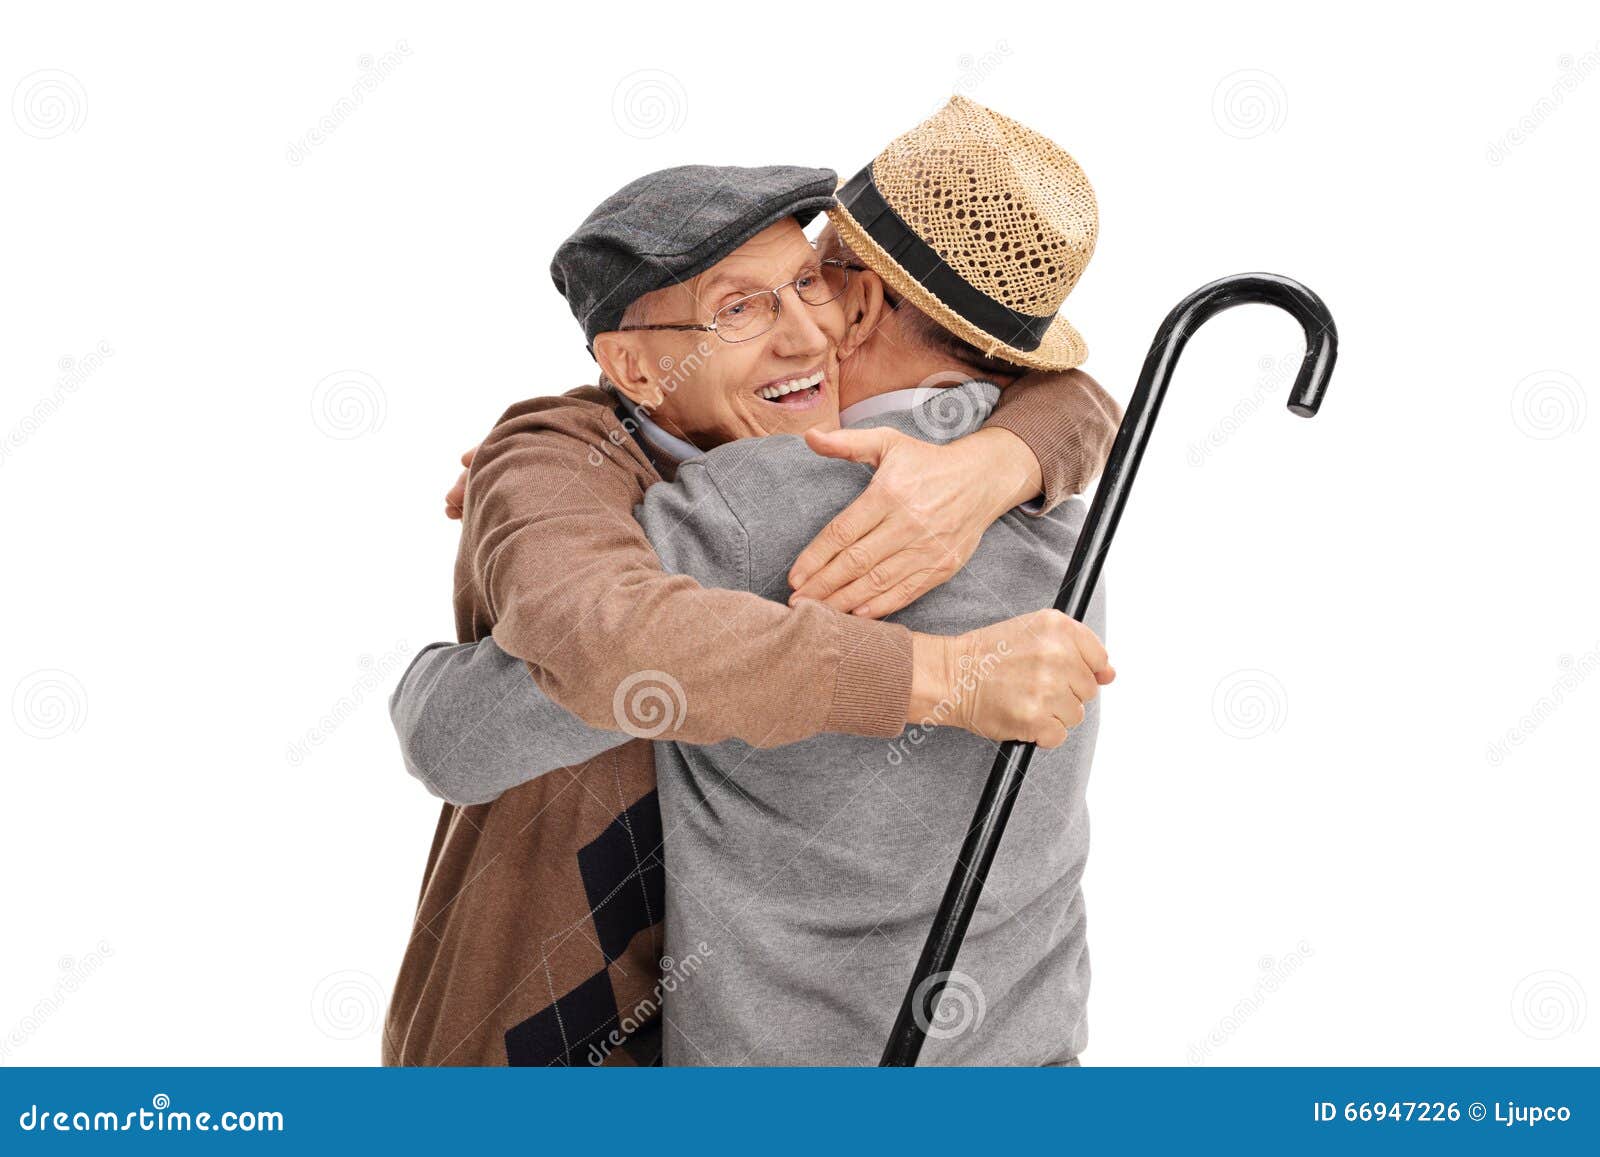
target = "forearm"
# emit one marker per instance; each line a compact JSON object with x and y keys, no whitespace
{"x":472,"y":724}
{"x":1006,"y":468}
{"x":1067,"y":421}
{"x":575,"y":589}
{"x":728,"y":665}
{"x":930,"y":679}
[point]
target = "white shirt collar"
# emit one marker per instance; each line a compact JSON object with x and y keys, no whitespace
{"x":663,"y":440}
{"x":889,"y":403}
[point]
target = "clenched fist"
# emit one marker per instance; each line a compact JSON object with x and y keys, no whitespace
{"x":1026,"y":678}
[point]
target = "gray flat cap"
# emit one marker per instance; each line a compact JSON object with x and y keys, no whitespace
{"x":668,"y":226}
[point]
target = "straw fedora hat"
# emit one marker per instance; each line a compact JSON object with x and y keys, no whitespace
{"x":982,"y":224}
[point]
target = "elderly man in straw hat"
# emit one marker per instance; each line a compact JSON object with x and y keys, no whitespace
{"x":802,"y":877}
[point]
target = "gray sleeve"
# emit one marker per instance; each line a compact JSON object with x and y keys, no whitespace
{"x":473,"y":724}
{"x":692,"y":524}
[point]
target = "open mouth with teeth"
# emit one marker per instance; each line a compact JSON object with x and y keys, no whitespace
{"x":795,"y":393}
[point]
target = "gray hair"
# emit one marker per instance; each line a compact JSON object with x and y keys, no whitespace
{"x":916,"y":327}
{"x":638,"y":311}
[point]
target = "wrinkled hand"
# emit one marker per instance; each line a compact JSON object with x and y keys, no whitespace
{"x":455,"y":498}
{"x":1028,"y":678}
{"x":918,"y":521}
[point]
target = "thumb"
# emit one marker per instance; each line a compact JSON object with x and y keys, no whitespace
{"x":865,"y":446}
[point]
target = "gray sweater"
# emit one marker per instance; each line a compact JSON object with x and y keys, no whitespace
{"x":802,"y":879}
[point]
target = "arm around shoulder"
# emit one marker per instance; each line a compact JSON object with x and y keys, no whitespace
{"x":473,"y":724}
{"x":1068,"y":421}
{"x":571,"y":585}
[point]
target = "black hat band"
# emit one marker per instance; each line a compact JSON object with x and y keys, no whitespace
{"x":1020,"y":331}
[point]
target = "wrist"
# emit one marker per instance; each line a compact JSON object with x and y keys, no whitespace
{"x":1007,"y":467}
{"x":932,"y":658}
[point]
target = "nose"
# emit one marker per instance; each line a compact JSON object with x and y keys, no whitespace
{"x":798,"y":332}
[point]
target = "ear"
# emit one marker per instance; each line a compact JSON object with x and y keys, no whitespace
{"x":624,"y":366}
{"x":865,"y":309}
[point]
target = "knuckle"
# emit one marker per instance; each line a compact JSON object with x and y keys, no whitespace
{"x":856,"y":559}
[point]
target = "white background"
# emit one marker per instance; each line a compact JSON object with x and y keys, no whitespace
{"x":1304,"y":848}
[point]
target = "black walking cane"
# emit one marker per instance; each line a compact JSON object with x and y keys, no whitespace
{"x":1005,"y":778}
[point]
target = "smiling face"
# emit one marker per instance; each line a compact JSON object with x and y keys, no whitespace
{"x":710,"y":391}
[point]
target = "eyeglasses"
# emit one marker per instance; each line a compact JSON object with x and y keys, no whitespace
{"x":752,"y":316}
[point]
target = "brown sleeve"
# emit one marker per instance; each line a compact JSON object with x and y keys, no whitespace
{"x":1068,"y":422}
{"x":553,"y":559}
